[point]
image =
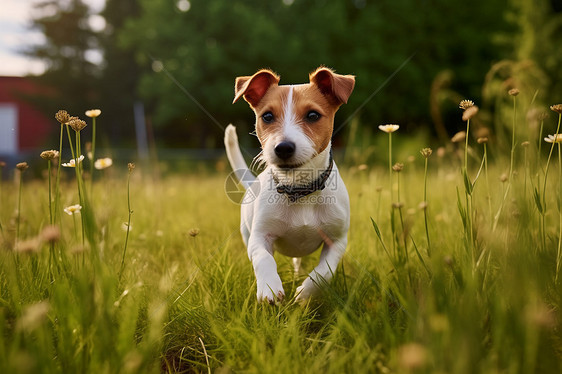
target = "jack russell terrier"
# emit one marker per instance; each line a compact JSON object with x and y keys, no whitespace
{"x":292,"y":212}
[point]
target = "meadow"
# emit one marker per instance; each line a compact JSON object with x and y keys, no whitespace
{"x":452,"y":266}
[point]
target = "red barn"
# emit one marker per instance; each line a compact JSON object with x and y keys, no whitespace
{"x":22,"y":127}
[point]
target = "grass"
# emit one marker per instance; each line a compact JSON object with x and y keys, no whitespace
{"x":183,"y":300}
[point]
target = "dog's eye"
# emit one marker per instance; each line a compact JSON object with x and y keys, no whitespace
{"x":268,"y":117}
{"x":312,"y":116}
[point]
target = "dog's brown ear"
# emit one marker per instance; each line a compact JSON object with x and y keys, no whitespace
{"x":254,"y":88}
{"x":338,"y":86}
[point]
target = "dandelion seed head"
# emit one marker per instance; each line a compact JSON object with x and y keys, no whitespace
{"x":426,"y":152}
{"x":423,"y":205}
{"x":49,"y":155}
{"x":556,"y":108}
{"x":397,"y":205}
{"x":542,"y":116}
{"x":459,"y":137}
{"x":541,"y":316}
{"x":482,"y":140}
{"x":77,"y":124}
{"x":78,"y":249}
{"x":33,"y":316}
{"x":397,"y":167}
{"x":525,"y":144}
{"x":193,"y":232}
{"x":469,"y":113}
{"x":465,"y":104}
{"x":22,"y":166}
{"x":28,"y":246}
{"x":103,"y":163}
{"x":412,"y":356}
{"x":131,"y":167}
{"x":51,"y":234}
{"x":389,"y":128}
{"x":62,"y":116}
{"x":93,"y":113}
{"x":513,"y":92}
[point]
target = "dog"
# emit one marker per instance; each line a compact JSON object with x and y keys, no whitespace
{"x":291,"y":210}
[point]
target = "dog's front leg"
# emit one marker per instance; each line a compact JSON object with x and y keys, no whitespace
{"x":260,"y":251}
{"x":329,"y":260}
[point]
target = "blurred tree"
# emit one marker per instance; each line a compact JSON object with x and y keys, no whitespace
{"x":539,"y":26}
{"x":199,"y":47}
{"x":68,"y":44}
{"x":117,"y":86}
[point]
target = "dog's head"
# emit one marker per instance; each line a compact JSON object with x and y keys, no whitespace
{"x":294,"y":123}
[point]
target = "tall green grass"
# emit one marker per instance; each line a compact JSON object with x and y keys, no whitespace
{"x":181,"y":298}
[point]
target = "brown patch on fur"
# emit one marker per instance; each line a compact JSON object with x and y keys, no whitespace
{"x":254,"y":87}
{"x":324,"y":94}
{"x":308,"y":98}
{"x":273,"y":101}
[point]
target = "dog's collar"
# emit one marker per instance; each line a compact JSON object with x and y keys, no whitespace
{"x":296,"y":192}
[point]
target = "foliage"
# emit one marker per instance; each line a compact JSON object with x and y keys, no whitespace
{"x":70,"y":75}
{"x":202,"y":50}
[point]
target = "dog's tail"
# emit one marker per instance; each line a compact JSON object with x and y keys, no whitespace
{"x":241,"y":170}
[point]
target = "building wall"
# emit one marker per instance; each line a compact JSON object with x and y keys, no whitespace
{"x":33,"y":128}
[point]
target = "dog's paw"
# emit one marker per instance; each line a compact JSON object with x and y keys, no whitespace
{"x":270,"y":291}
{"x":306,"y":291}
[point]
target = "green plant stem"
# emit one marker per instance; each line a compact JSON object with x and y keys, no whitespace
{"x":75,"y":231}
{"x":57,"y":192}
{"x":558,"y":253}
{"x":404,"y":236}
{"x":512,"y":156}
{"x":391,"y":193}
{"x":50,"y":197}
{"x":19,"y":207}
{"x":511,"y":163}
{"x":488,"y":183}
{"x":122,"y":267}
{"x":468,"y":195}
{"x":425,"y":208}
{"x":70,"y":142}
{"x":390,"y":164}
{"x":93,"y":153}
{"x":466,"y":146}
{"x":79,"y":181}
{"x":544,"y":206}
{"x":540,"y":145}
{"x":548,"y":163}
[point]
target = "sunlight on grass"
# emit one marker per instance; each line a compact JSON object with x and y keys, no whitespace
{"x":464,"y":283}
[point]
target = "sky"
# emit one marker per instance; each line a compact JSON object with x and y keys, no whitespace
{"x":16,"y":35}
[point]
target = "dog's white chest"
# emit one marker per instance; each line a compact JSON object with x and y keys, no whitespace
{"x":302,"y":233}
{"x":298,"y":229}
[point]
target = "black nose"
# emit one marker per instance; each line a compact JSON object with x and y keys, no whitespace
{"x":285,"y":150}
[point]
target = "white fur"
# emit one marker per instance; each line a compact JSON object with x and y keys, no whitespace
{"x":271,"y":223}
{"x":304,"y":148}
